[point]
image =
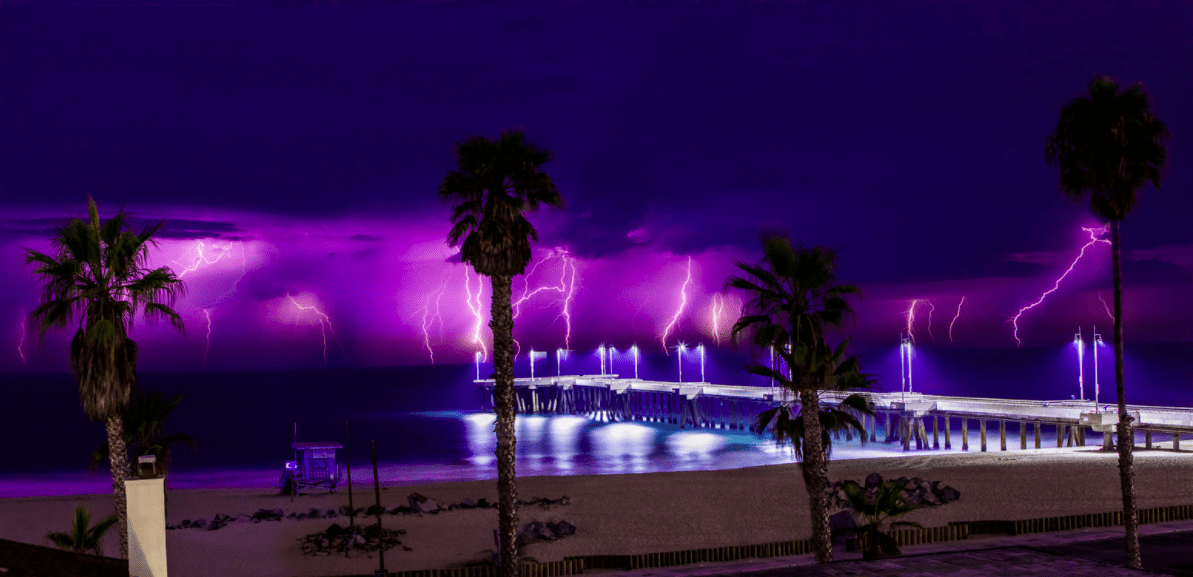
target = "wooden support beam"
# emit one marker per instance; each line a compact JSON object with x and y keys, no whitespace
{"x":964,"y":434}
{"x":1060,"y":434}
{"x":948,"y":433}
{"x":1002,"y":435}
{"x":904,"y":432}
{"x":935,"y":432}
{"x":890,"y":436}
{"x":874,"y":429}
{"x":982,"y":425}
{"x":1037,"y":432}
{"x":1022,"y":435}
{"x":1176,"y":441}
{"x":1147,"y":439}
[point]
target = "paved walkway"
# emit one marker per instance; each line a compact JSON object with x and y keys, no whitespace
{"x":1167,"y":550}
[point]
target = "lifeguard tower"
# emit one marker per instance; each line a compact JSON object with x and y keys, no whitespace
{"x":314,"y":466}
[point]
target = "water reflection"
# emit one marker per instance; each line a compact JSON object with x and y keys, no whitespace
{"x":623,"y":447}
{"x":696,"y":446}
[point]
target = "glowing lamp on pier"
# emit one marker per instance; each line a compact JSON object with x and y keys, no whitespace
{"x":560,"y":354}
{"x":634,"y":349}
{"x":1080,"y":344}
{"x":478,"y":365}
{"x":601,"y":352}
{"x":1097,"y":343}
{"x":680,"y":349}
{"x":700,"y":348}
{"x":905,"y":350}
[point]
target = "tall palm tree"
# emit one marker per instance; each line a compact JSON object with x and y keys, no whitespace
{"x":792,"y":296}
{"x":81,"y":538}
{"x":495,"y":184}
{"x":1110,"y":145}
{"x":98,"y":280}
{"x":846,"y":377}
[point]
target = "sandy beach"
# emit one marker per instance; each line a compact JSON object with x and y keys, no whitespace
{"x":621,"y":514}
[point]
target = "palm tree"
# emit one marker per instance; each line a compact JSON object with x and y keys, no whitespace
{"x":1110,"y":145}
{"x":792,"y":296}
{"x":846,"y":377}
{"x":143,"y":434}
{"x":497,"y":183}
{"x":878,"y":510}
{"x":81,"y":538}
{"x":97,"y":279}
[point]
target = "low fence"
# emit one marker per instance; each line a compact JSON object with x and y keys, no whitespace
{"x":954,"y":531}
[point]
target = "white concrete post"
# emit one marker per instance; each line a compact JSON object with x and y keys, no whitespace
{"x":146,"y":527}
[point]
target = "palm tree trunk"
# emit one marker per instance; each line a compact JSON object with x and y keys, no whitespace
{"x":118,"y":457}
{"x":815,"y":469}
{"x":1126,"y":435}
{"x":502,"y":324}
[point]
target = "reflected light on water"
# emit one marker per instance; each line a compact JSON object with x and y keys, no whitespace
{"x":482,"y":442}
{"x":564,"y":434}
{"x":696,"y":445}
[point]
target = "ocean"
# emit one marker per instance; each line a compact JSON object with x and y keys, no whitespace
{"x":428,"y":427}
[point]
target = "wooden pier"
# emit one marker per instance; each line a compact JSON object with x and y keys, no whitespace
{"x":902,"y":417}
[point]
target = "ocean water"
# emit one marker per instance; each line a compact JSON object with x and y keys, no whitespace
{"x":428,"y":427}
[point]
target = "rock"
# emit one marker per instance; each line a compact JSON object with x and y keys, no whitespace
{"x":948,"y":495}
{"x":401,"y":509}
{"x":344,"y":510}
{"x":314,"y":513}
{"x":186,"y":522}
{"x":413,"y":498}
{"x":468,"y":504}
{"x":292,"y":515}
{"x":427,"y":506}
{"x":873,"y":480}
{"x":331,"y":512}
{"x":359,"y":540}
{"x":333,"y":531}
{"x":302,"y":516}
{"x":482,"y":503}
{"x":842,"y":520}
{"x":216,"y":525}
{"x":224,"y":518}
{"x":374,"y":510}
{"x":452,"y":507}
{"x":199,"y":523}
{"x":563,"y":529}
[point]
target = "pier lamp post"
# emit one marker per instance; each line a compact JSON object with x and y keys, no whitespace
{"x":1097,"y":343}
{"x":700,"y":347}
{"x":601,"y":352}
{"x":905,"y":366}
{"x":611,"y":351}
{"x":772,"y":367}
{"x":680,"y":349}
{"x":634,"y":349}
{"x":1077,"y":342}
{"x":478,"y":365}
{"x":559,"y":354}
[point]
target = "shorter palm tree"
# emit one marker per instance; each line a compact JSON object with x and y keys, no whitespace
{"x":81,"y":538}
{"x":878,"y":508}
{"x":143,"y":432}
{"x":785,"y":420}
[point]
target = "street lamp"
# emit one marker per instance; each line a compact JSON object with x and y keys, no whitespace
{"x":905,"y":368}
{"x":635,"y":351}
{"x":1080,"y":344}
{"x":601,"y":352}
{"x":681,"y":348}
{"x":558,"y":355}
{"x":1097,"y":343}
{"x":701,"y":349}
{"x":478,"y":365}
{"x":611,"y":351}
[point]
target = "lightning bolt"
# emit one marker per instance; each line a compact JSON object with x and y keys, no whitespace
{"x":1106,"y":307}
{"x":21,"y":343}
{"x":207,"y":313}
{"x":910,"y":314}
{"x":683,"y":294}
{"x":566,"y":289}
{"x":955,"y":319}
{"x":476,"y":310}
{"x":201,"y":259}
{"x":718,"y":308}
{"x":930,"y":309}
{"x":1093,"y":239}
{"x":324,"y":322}
{"x":429,"y":319}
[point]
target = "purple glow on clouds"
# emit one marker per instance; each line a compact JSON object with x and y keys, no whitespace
{"x":283,"y":293}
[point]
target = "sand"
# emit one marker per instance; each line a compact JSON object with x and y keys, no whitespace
{"x":623,"y":514}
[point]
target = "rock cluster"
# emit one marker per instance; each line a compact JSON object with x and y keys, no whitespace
{"x":415,"y":504}
{"x":916,"y":493}
{"x":536,"y":531}
{"x":350,"y":540}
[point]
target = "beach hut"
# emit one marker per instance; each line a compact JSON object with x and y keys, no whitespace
{"x":315,"y":467}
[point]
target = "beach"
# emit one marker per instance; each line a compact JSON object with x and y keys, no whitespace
{"x":619,"y":514}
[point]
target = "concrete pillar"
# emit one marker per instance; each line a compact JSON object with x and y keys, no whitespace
{"x":1002,"y":435}
{"x":1022,"y":435}
{"x":887,"y":427}
{"x":1037,"y":432}
{"x":904,"y":432}
{"x":1147,"y":439}
{"x":1176,"y":441}
{"x":982,"y":425}
{"x":146,"y":527}
{"x":948,"y":434}
{"x":935,"y":432}
{"x":865,"y":429}
{"x":874,"y":429}
{"x":964,"y":434}
{"x":1060,"y":435}
{"x":1080,"y":436}
{"x":1108,"y":440}
{"x":1069,"y":434}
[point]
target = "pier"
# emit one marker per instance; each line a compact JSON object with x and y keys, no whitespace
{"x":902,"y":417}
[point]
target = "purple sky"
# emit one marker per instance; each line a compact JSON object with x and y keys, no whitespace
{"x":297,"y":156}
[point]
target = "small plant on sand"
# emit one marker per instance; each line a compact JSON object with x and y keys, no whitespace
{"x":879,"y":503}
{"x":81,"y":538}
